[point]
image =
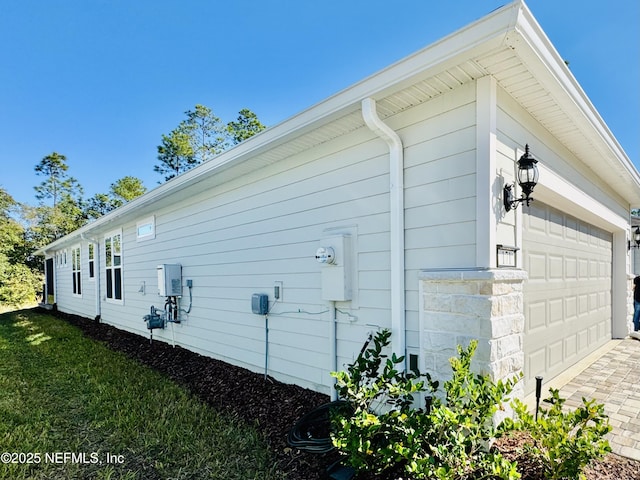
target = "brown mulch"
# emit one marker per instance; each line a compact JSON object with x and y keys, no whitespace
{"x":610,"y":468}
{"x":275,"y":407}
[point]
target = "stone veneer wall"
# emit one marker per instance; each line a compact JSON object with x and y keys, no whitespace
{"x":460,"y":305}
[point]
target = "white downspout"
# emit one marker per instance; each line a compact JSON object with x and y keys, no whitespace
{"x":96,"y":272}
{"x":396,"y":223}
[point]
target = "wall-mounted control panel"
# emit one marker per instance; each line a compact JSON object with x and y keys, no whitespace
{"x":169,"y":280}
{"x":260,"y":303}
{"x":334,"y":255}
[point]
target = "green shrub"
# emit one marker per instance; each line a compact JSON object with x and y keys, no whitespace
{"x":382,"y":401}
{"x":448,"y":440}
{"x":564,"y":441}
{"x":19,"y":285}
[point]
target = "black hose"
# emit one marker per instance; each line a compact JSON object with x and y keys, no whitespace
{"x":312,"y":432}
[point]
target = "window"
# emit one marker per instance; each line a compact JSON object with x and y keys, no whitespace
{"x":146,"y":229}
{"x":76,"y":268}
{"x":113,"y":266}
{"x":92,"y":262}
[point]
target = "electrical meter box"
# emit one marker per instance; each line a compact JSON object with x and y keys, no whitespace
{"x":170,"y":280}
{"x":334,"y":255}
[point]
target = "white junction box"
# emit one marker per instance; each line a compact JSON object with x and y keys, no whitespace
{"x":334,"y":255}
{"x":170,"y":280}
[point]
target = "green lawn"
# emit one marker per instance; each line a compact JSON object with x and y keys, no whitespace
{"x":72,"y":409}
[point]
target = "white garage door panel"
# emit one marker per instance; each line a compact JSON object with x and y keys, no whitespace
{"x":567,"y":299}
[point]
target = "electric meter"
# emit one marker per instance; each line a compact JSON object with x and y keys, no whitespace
{"x":326,"y":255}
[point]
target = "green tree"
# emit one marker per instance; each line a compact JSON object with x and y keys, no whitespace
{"x":57,"y":182}
{"x":245,"y":126}
{"x":200,"y":137}
{"x":19,"y":283}
{"x":11,"y":232}
{"x":65,"y":213}
{"x":175,"y":154}
{"x":98,"y":205}
{"x":122,"y":191}
{"x":126,"y":189}
{"x":207,"y":134}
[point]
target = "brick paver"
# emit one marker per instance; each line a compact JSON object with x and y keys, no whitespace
{"x":614,"y":380}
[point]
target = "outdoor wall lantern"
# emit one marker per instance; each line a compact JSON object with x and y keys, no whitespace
{"x":527,"y":179}
{"x":636,"y":239}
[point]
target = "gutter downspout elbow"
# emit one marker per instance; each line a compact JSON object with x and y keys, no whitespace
{"x":396,"y":223}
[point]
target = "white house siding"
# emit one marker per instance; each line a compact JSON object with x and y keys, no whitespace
{"x":84,"y":304}
{"x":237,"y":231}
{"x":239,"y":238}
{"x":439,"y":147}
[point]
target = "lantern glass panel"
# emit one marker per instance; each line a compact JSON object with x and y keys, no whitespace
{"x":528,"y":174}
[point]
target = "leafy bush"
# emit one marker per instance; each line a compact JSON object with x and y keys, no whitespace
{"x":19,"y":285}
{"x":564,"y":441}
{"x":382,"y":402}
{"x":448,"y":440}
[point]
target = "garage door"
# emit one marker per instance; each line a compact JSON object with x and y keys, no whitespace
{"x":567,"y":298}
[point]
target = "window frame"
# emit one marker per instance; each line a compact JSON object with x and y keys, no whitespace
{"x":149,"y":222}
{"x":113,"y":266}
{"x":76,"y":271}
{"x":91,"y":261}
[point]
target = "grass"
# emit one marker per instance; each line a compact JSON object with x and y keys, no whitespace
{"x":74,"y":409}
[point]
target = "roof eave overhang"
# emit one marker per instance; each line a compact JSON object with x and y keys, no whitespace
{"x":597,"y":147}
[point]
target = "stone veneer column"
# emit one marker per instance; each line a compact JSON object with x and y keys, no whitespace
{"x":460,"y":305}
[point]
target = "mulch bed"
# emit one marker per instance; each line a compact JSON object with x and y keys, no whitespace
{"x":275,"y":407}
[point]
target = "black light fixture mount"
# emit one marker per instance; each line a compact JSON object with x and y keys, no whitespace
{"x":527,"y":179}
{"x":636,"y":239}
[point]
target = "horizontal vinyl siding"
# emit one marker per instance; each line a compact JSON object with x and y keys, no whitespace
{"x":239,"y":238}
{"x":85,"y":304}
{"x":439,"y":140}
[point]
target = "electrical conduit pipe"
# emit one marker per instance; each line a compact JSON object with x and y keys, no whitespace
{"x":396,"y":223}
{"x":333,"y":347}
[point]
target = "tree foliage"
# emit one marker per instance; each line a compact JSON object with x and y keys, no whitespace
{"x":245,"y":126}
{"x":57,"y":182}
{"x":207,"y":134}
{"x":122,"y":191}
{"x":200,"y":137}
{"x":62,"y":209}
{"x":175,"y":154}
{"x":126,"y":189}
{"x":64,"y":214}
{"x":19,"y":283}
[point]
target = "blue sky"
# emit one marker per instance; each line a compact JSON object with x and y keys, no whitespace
{"x":101,"y":80}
